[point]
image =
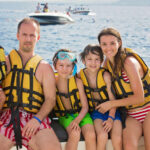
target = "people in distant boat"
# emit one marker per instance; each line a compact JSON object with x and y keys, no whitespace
{"x":2,"y":75}
{"x":131,"y":80}
{"x":71,"y":104}
{"x":98,"y":89}
{"x":38,"y":8}
{"x":68,"y":13}
{"x":28,"y":102}
{"x":45,"y":8}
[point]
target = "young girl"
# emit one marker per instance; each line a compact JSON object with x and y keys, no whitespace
{"x":131,"y":78}
{"x":97,"y":84}
{"x":2,"y":75}
{"x":71,"y":105}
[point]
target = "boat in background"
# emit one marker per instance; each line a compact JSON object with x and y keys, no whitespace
{"x":51,"y":18}
{"x":80,"y":11}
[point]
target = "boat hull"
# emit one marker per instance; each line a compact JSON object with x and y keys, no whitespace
{"x":51,"y":18}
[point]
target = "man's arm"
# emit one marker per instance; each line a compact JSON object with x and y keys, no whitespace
{"x":46,"y":77}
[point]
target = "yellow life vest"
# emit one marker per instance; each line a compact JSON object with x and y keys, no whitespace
{"x":73,"y":95}
{"x":2,"y":64}
{"x":21,"y":87}
{"x":100,"y":88}
{"x":123,"y":89}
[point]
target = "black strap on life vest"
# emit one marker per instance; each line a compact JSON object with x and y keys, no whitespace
{"x":31,"y":98}
{"x":1,"y":70}
{"x":14,"y":106}
{"x":76,"y":106}
{"x":124,"y":93}
{"x":147,"y":88}
{"x":89,"y":90}
{"x":15,"y":119}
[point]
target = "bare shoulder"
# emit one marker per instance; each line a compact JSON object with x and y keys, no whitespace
{"x":79,"y":82}
{"x":107,"y":77}
{"x":44,"y":71}
{"x":130,"y":62}
{"x":133,"y":67}
{"x":44,"y":66}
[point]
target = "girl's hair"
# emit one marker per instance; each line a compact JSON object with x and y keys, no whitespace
{"x":121,"y":54}
{"x":55,"y":58}
{"x":94,"y":49}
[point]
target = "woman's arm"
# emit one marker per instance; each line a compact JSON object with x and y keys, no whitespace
{"x":134,"y":72}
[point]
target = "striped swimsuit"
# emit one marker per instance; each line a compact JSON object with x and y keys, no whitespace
{"x":140,"y":114}
{"x":8,"y":131}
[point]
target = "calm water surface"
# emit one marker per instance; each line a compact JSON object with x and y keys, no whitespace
{"x":132,"y":21}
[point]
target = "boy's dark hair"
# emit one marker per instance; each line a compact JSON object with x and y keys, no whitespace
{"x":55,"y":58}
{"x":94,"y":49}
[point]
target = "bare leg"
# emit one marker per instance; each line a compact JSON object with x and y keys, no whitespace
{"x":5,"y":143}
{"x":116,"y":135}
{"x":73,"y":138}
{"x":132,"y":134}
{"x":45,"y":139}
{"x":146,"y":130}
{"x":89,"y":136}
{"x":102,"y":136}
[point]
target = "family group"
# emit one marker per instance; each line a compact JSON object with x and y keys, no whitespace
{"x":108,"y":98}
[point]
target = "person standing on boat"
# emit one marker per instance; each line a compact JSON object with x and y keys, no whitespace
{"x":97,"y":85}
{"x":2,"y":75}
{"x":28,"y":102}
{"x":45,"y":9}
{"x":38,"y":8}
{"x":71,"y":104}
{"x":131,"y":80}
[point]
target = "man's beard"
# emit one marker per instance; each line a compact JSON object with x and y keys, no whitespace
{"x":27,"y":48}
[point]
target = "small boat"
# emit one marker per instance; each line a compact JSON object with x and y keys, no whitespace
{"x":45,"y":18}
{"x":80,"y":11}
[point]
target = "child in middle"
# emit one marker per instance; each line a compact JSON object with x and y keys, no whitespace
{"x":97,"y":84}
{"x":71,"y":102}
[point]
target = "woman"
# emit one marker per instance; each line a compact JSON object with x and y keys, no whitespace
{"x":131,"y":80}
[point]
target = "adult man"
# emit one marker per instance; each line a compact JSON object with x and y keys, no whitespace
{"x":30,"y":95}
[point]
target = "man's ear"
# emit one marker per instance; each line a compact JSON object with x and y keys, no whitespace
{"x":38,"y":37}
{"x":17,"y":35}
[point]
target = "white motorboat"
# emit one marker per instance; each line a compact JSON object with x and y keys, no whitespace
{"x":51,"y":17}
{"x":79,"y":10}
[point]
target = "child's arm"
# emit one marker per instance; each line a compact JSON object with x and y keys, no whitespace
{"x":83,"y":100}
{"x":2,"y":97}
{"x":109,"y":123}
{"x":107,"y":79}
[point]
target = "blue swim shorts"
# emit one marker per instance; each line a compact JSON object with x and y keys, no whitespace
{"x":97,"y":115}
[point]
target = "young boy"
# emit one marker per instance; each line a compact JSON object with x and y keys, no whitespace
{"x":97,"y":84}
{"x":71,"y":105}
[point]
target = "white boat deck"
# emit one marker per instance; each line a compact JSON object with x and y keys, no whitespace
{"x":81,"y":145}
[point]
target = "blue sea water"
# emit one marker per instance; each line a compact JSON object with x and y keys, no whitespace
{"x":131,"y":19}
